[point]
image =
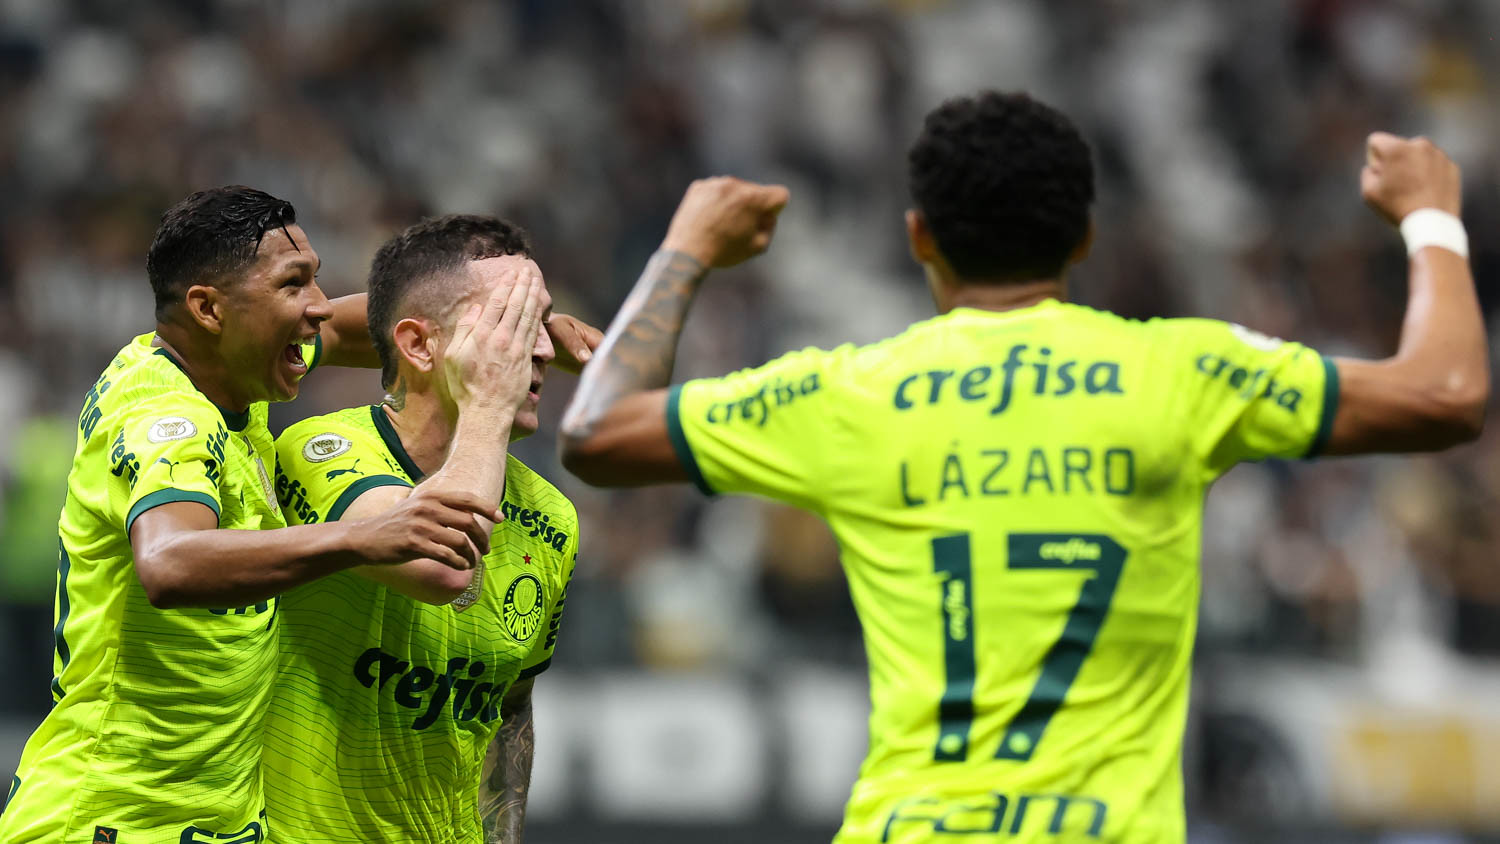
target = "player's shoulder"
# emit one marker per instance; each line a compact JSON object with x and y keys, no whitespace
{"x":1202,"y":335}
{"x":145,"y":386}
{"x":529,"y":489}
{"x":328,"y":435}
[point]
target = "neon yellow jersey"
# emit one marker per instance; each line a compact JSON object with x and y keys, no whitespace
{"x":1018,"y":498}
{"x":155,"y":731}
{"x":385,"y":706}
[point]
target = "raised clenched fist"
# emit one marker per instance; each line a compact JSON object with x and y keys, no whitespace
{"x":1404,"y":174}
{"x":723,"y":221}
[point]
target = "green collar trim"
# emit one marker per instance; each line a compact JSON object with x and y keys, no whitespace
{"x":235,"y":421}
{"x":393,"y":442}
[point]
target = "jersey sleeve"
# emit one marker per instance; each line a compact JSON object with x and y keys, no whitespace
{"x":1248,"y":396}
{"x":541,"y":653}
{"x":758,"y":431}
{"x":322,"y":467}
{"x":169,"y":449}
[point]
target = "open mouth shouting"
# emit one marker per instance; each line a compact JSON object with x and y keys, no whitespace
{"x":291,"y":355}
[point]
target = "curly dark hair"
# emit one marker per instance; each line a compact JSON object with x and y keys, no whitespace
{"x":432,"y":248}
{"x":1005,"y":184}
{"x":211,"y":237}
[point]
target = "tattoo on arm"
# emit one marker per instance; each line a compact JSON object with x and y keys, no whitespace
{"x":507,"y":777}
{"x":637,"y":352}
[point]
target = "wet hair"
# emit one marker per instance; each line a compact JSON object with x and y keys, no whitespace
{"x":211,"y":237}
{"x":1005,"y":184}
{"x":430,"y":250}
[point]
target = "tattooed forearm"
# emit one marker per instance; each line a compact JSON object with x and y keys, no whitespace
{"x":638,"y":350}
{"x":507,"y":777}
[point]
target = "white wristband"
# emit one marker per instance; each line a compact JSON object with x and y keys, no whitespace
{"x":1430,"y":227}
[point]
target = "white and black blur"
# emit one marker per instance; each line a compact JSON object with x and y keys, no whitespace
{"x":709,"y":681}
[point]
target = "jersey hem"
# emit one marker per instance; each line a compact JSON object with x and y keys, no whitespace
{"x":680,"y":445}
{"x":168,"y":496}
{"x":358,"y":488}
{"x":1330,"y":409}
{"x":527,"y":673}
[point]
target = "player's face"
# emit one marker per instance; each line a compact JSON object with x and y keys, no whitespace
{"x":488,"y":273}
{"x":270,"y":313}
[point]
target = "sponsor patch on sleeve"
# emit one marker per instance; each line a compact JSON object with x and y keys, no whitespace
{"x":325,"y":447}
{"x":169,"y":428}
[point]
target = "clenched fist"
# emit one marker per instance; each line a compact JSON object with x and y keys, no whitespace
{"x":1404,"y":174}
{"x":723,"y":221}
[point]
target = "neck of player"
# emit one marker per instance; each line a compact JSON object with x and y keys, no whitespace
{"x":998,"y":296}
{"x":209,"y":372}
{"x":424,"y":426}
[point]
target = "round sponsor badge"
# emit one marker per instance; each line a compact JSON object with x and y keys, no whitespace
{"x":325,"y":447}
{"x":169,"y":428}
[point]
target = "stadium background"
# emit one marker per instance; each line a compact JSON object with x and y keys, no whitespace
{"x":709,"y":679}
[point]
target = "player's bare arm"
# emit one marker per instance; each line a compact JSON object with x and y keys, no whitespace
{"x":614,"y":432}
{"x":507,"y":769}
{"x":346,"y":335}
{"x":183,"y":559}
{"x":1432,"y":393}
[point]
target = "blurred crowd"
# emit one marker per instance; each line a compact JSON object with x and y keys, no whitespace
{"x":1227,"y":136}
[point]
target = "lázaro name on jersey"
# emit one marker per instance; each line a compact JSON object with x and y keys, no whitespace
{"x":536,"y":523}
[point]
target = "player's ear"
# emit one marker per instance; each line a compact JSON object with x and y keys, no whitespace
{"x":919,"y":237}
{"x":205,"y":306}
{"x":415,"y":341}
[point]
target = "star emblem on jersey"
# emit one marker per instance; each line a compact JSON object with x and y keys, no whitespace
{"x":521,"y":612}
{"x":325,"y":447}
{"x":169,"y":428}
{"x":526,"y":558}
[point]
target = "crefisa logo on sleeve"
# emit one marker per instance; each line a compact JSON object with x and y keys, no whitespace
{"x":325,"y":447}
{"x":169,"y":428}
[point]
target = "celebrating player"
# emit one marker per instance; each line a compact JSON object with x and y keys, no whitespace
{"x":386,"y":706}
{"x":173,"y":546}
{"x":1017,"y":484}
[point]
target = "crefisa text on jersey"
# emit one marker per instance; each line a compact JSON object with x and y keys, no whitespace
{"x":1048,"y":378}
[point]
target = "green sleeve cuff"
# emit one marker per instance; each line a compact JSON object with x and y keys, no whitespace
{"x":680,"y":443}
{"x":167,"y":496}
{"x":358,"y":488}
{"x":317,"y":353}
{"x":1330,"y":408}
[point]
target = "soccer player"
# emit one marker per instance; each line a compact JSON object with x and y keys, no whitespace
{"x":1017,"y":483}
{"x":172,"y":544}
{"x":396,"y":717}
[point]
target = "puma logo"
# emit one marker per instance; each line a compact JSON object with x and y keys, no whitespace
{"x":352,"y":470}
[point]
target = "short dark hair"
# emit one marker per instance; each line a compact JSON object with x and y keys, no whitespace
{"x":1005,"y":183}
{"x":429,"y":249}
{"x":209,"y":238}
